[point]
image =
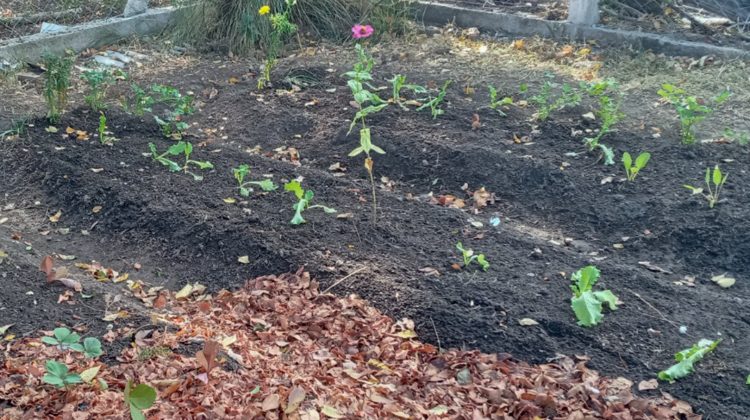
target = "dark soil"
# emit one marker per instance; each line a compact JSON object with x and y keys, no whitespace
{"x":183,"y":231}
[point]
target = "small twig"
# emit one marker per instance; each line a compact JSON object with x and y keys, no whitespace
{"x":654,"y":308}
{"x":440,"y":347}
{"x":343,"y":279}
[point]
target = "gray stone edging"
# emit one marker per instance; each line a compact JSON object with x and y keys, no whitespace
{"x":88,"y":35}
{"x":440,"y":14}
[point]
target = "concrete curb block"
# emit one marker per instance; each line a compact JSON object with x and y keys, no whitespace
{"x":88,"y":35}
{"x":440,"y":14}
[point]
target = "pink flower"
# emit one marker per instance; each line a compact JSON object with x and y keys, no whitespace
{"x":362,"y":31}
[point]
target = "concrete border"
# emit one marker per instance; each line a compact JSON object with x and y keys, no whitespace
{"x":524,"y":25}
{"x":87,"y":35}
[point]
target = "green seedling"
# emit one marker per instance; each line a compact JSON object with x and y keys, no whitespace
{"x":281,"y":28}
{"x":547,"y":102}
{"x":142,"y":102}
{"x":173,"y":125}
{"x":304,"y":199}
{"x":587,"y":304}
{"x":59,"y":376}
{"x":104,"y":137}
{"x":241,"y":172}
{"x":139,"y":398}
{"x":743,"y":139}
{"x":399,"y":83}
{"x":18,"y":128}
{"x":99,"y":82}
{"x":686,"y":360}
{"x":690,"y":109}
{"x":609,"y":96}
{"x":366,"y":146}
{"x":469,"y":257}
{"x":64,"y":339}
{"x":712,"y":194}
{"x":434,"y":103}
{"x":181,"y":148}
{"x":497,"y":103}
{"x":56,"y":85}
{"x":633,"y":168}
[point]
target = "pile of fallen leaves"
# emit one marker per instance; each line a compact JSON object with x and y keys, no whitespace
{"x":280,"y":349}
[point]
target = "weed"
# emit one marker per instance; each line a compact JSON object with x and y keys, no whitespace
{"x":142,"y":102}
{"x":304,"y":198}
{"x":609,"y":96}
{"x":690,"y":109}
{"x":281,"y":28}
{"x":99,"y":82}
{"x":587,"y":304}
{"x":181,"y":148}
{"x":686,"y":359}
{"x":743,"y":139}
{"x":59,"y":376}
{"x":633,"y":168}
{"x":104,"y":135}
{"x":712,"y":195}
{"x":172,"y":125}
{"x":548,"y":102}
{"x":19,"y":127}
{"x":399,"y":83}
{"x":497,"y":103}
{"x":434,"y":103}
{"x":469,"y":257}
{"x":139,"y":398}
{"x":241,"y":172}
{"x":56,"y":84}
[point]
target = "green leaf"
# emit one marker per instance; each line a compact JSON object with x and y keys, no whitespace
{"x":142,"y":397}
{"x":377,"y":149}
{"x":56,"y":369}
{"x":356,"y":151}
{"x":295,"y":187}
{"x":717,"y":176}
{"x":686,"y":360}
{"x":585,"y":279}
{"x":177,"y":149}
{"x":609,"y":154}
{"x":482,"y":261}
{"x":92,"y":347}
{"x":608,"y":297}
{"x":245,"y":192}
{"x":642,"y":160}
{"x":136,"y":414}
{"x":267,"y":185}
{"x":203,"y":164}
{"x":51,"y":341}
{"x":328,"y":210}
{"x":627,"y":160}
{"x":76,"y":347}
{"x":53,"y":380}
{"x":587,"y":308}
{"x":65,"y":336}
{"x":241,"y":172}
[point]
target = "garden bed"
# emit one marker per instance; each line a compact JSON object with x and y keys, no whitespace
{"x":558,"y":212}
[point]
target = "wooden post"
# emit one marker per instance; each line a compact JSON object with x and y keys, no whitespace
{"x":583,"y":12}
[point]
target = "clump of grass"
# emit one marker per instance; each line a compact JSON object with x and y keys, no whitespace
{"x":236,"y":24}
{"x":56,"y":84}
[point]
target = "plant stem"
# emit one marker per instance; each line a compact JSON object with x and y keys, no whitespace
{"x":374,"y":199}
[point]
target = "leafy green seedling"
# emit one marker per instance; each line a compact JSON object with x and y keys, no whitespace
{"x":59,"y":376}
{"x":104,"y":137}
{"x":241,"y":172}
{"x":92,"y":347}
{"x":686,"y":359}
{"x":99,"y":82}
{"x":633,"y":168}
{"x":609,"y":96}
{"x":142,"y":102}
{"x":139,"y":398}
{"x":497,"y":103}
{"x":434,"y":103}
{"x":690,"y":109}
{"x":718,"y":179}
{"x":399,"y":83}
{"x":304,"y":198}
{"x":173,"y":125}
{"x":469,"y":257}
{"x":181,"y":148}
{"x":587,"y":304}
{"x":547,"y":102}
{"x":64,"y":339}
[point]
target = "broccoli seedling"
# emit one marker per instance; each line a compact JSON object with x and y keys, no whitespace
{"x":686,"y":360}
{"x":633,"y":168}
{"x":496,"y":103}
{"x":243,"y":171}
{"x":434,"y":103}
{"x":304,"y":198}
{"x":469,"y":257}
{"x":181,"y":148}
{"x":587,"y":304}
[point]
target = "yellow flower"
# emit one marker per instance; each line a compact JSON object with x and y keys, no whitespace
{"x":264,"y":10}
